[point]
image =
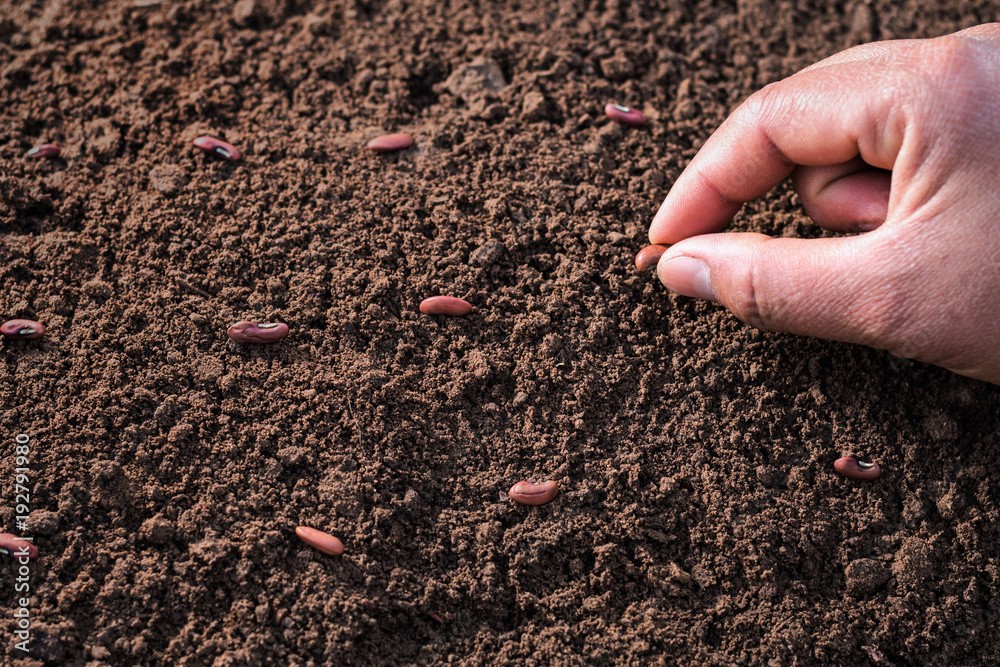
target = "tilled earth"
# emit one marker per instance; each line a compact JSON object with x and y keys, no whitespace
{"x":700,"y":521}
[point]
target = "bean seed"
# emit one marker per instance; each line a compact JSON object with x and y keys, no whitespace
{"x":24,"y":329}
{"x":529,"y":493}
{"x":325,"y":542}
{"x":390,"y":142}
{"x":50,"y":151}
{"x":218,"y":146}
{"x":251,"y":332}
{"x":624,"y":115}
{"x":848,"y":466}
{"x":648,"y":257}
{"x":14,"y":546}
{"x":445,"y":305}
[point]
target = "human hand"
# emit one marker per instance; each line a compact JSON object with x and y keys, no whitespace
{"x":923,"y":280}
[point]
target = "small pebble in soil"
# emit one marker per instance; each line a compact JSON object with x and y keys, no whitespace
{"x":218,"y":146}
{"x":50,"y":151}
{"x":848,"y":466}
{"x":24,"y":329}
{"x":325,"y":542}
{"x":390,"y":142}
{"x":648,"y":257}
{"x":445,"y":305}
{"x":624,"y":115}
{"x":15,"y":547}
{"x":251,"y":332}
{"x":529,"y":493}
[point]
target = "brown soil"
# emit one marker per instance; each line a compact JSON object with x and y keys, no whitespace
{"x":700,"y":521}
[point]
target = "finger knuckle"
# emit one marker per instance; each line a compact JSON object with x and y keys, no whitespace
{"x":754,"y":304}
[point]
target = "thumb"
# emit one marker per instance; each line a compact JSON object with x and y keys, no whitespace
{"x":837,"y":288}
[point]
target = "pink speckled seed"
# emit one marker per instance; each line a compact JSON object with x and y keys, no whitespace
{"x":15,"y":547}
{"x":325,"y":542}
{"x":648,"y":257}
{"x":50,"y":151}
{"x":251,"y":332}
{"x":23,"y":329}
{"x":848,"y":466}
{"x":390,"y":142}
{"x":218,"y":147}
{"x":529,"y":493}
{"x":445,"y":305}
{"x":624,"y":115}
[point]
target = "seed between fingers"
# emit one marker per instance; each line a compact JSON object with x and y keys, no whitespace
{"x":648,"y":257}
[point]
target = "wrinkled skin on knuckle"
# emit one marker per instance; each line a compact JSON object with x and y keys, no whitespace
{"x":762,"y":108}
{"x":750,"y":303}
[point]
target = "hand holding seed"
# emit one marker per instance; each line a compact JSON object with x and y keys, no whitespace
{"x":897,"y":140}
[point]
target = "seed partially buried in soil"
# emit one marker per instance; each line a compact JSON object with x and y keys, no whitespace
{"x":848,"y":466}
{"x":648,"y":257}
{"x":23,"y":329}
{"x":624,"y":115}
{"x":14,"y":546}
{"x":251,"y":332}
{"x":391,"y":142}
{"x":325,"y":542}
{"x":445,"y":305}
{"x":529,"y":493}
{"x":218,"y":147}
{"x":50,"y":151}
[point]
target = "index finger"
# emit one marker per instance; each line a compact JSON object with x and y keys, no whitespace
{"x":817,"y":117}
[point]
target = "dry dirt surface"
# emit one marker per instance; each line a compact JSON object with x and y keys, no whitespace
{"x":700,"y":521}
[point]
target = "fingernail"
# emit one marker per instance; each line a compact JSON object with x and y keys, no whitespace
{"x":687,"y":276}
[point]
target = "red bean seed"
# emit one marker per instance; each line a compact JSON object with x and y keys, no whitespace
{"x":529,"y":493}
{"x":390,"y":142}
{"x":50,"y":151}
{"x":325,"y":542}
{"x":624,"y":115}
{"x":648,"y":257}
{"x":251,"y":332}
{"x":24,"y":329}
{"x":445,"y":305}
{"x":15,"y":547}
{"x":848,"y":466}
{"x":219,"y":147}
